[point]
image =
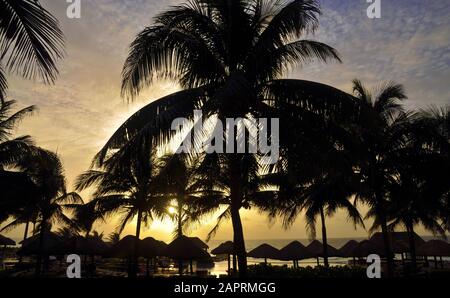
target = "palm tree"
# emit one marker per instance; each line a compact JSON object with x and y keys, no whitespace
{"x":11,"y":150}
{"x":214,"y":50}
{"x":125,"y":185}
{"x":318,"y":188}
{"x":14,"y":187}
{"x":175,"y":181}
{"x":67,"y":233}
{"x":85,"y":216}
{"x":380,"y":131}
{"x":50,"y":196}
{"x":31,"y":42}
{"x":418,"y":191}
{"x":113,"y":238}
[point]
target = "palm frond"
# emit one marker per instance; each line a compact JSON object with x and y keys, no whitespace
{"x":31,"y":39}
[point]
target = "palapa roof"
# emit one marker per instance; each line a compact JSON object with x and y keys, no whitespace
{"x":81,"y":245}
{"x":399,"y":241}
{"x":433,"y":248}
{"x":316,"y":249}
{"x":122,"y":249}
{"x":183,"y":248}
{"x":366,"y":248}
{"x":225,"y":248}
{"x":199,"y":243}
{"x":147,"y":248}
{"x":150,"y":247}
{"x":30,"y":246}
{"x":346,"y":249}
{"x":264,"y":251}
{"x":294,"y":251}
{"x":5,"y":241}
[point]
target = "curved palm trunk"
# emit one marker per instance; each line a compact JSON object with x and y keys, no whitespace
{"x":324,"y":239}
{"x":412,"y":247}
{"x":135,"y":265}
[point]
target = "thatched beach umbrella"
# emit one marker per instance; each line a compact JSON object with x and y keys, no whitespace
{"x":197,"y":241}
{"x":316,"y":249}
{"x":226,"y":248}
{"x":294,"y":251}
{"x":346,"y":249}
{"x":264,"y":251}
{"x":435,"y":248}
{"x":184,"y":249}
{"x":81,"y":246}
{"x":31,"y":246}
{"x":150,"y":248}
{"x":5,"y":241}
{"x":366,"y":248}
{"x":122,"y":249}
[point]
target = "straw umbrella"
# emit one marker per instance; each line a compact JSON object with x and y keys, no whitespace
{"x":197,"y":241}
{"x":123,"y":249}
{"x":226,"y":248}
{"x":81,"y":246}
{"x":366,"y":248}
{"x":435,"y":248}
{"x":4,"y":241}
{"x":294,"y":251}
{"x":30,"y":246}
{"x":184,"y":249}
{"x":346,"y":249}
{"x":264,"y":251}
{"x":151,"y":248}
{"x":316,"y":250}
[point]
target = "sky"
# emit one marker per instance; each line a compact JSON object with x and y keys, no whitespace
{"x":409,"y":44}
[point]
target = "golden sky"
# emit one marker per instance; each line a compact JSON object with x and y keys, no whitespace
{"x":410,"y":45}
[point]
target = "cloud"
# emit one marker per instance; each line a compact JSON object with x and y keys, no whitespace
{"x":409,"y":44}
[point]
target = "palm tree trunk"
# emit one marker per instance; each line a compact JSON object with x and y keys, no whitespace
{"x":412,"y":247}
{"x":236,"y":202}
{"x":324,"y":239}
{"x":385,"y":233}
{"x":41,"y":246}
{"x":180,"y":219}
{"x":25,"y":234}
{"x":135,"y":264}
{"x":239,"y":242}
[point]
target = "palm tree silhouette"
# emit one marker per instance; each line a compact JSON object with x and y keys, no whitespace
{"x":315,"y":176}
{"x":229,"y":57}
{"x":126,"y":184}
{"x":418,"y":191}
{"x":113,"y":238}
{"x":380,"y":131}
{"x":176,"y":182}
{"x":50,"y":195}
{"x":31,"y":42}
{"x":11,"y":151}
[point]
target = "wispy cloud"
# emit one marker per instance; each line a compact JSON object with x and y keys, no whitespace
{"x":409,"y":44}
